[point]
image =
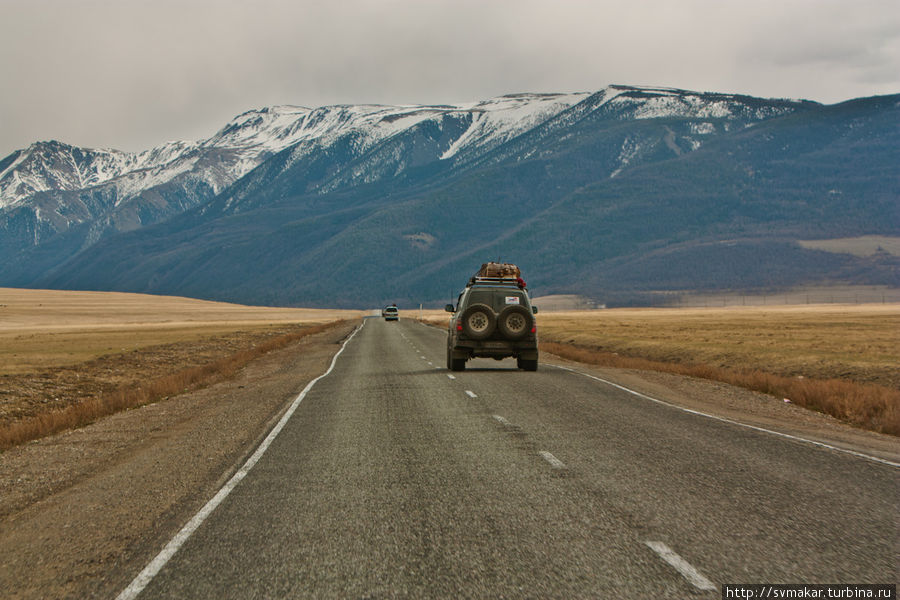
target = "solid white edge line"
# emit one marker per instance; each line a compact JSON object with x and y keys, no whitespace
{"x":682,"y":566}
{"x":554,"y":462}
{"x":151,"y":570}
{"x":733,"y":422}
{"x":470,"y":394}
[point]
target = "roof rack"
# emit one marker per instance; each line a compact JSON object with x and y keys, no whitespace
{"x":508,"y":281}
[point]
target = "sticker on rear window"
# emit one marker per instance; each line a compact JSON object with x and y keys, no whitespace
{"x":512,"y":299}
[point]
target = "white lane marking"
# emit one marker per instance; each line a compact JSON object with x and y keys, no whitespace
{"x":151,"y":570}
{"x":502,"y":421}
{"x":554,"y":462}
{"x":738,"y":423}
{"x":470,"y":394}
{"x":430,"y":363}
{"x":451,"y":376}
{"x":682,"y":566}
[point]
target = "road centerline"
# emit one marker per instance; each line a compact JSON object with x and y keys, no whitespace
{"x":554,"y":462}
{"x":502,"y":421}
{"x":682,"y":566}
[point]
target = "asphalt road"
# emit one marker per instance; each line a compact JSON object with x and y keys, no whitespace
{"x":397,"y":478}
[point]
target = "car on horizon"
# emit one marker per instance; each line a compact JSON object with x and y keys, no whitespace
{"x":390,"y":313}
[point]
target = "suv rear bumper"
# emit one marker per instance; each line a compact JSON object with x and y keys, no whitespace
{"x":526,"y":349}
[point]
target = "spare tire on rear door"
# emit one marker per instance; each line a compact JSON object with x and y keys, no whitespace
{"x":478,"y":321}
{"x":515,"y":322}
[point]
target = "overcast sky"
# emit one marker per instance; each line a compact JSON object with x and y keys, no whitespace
{"x":131,"y":74}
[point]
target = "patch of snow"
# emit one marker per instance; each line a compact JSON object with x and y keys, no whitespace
{"x":498,"y":120}
{"x":630,"y":149}
{"x":704,"y":128}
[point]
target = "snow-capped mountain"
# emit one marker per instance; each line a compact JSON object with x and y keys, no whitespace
{"x":51,"y":187}
{"x":253,"y":136}
{"x":55,"y":166}
{"x":58,"y":201}
{"x":248,"y":139}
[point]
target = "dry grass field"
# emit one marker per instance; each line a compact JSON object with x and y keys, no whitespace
{"x":858,"y":342}
{"x":839,"y":359}
{"x":67,"y":358}
{"x":48,"y":329}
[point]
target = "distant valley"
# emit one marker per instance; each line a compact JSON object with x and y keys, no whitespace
{"x":626,"y":196}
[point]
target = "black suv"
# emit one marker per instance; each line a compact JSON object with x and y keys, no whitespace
{"x":493,"y":318}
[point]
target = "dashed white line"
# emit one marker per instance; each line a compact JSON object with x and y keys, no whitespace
{"x":682,"y":566}
{"x":471,"y":394}
{"x":451,"y":376}
{"x":554,"y":462}
{"x":502,"y":421}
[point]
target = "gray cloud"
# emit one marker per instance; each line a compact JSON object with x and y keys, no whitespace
{"x":131,"y":74}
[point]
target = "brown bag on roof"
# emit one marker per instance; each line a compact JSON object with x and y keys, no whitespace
{"x":494,"y":269}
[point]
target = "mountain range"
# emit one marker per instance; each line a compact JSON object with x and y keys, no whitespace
{"x":624,"y":195}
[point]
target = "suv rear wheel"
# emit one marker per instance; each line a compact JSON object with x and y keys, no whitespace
{"x":455,"y":364}
{"x":478,"y":321}
{"x":527,"y":365}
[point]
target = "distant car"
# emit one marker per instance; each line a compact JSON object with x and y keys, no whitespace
{"x":493,"y":318}
{"x":390,"y":313}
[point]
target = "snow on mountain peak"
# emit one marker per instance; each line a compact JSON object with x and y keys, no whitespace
{"x":253,"y":136}
{"x":46,"y":166}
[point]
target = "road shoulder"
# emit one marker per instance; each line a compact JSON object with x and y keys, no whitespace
{"x":82,"y":512}
{"x":743,"y":406}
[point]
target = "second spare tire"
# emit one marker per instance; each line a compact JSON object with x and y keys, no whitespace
{"x":515,"y":322}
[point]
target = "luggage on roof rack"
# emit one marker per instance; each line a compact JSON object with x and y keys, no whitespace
{"x":499,"y":270}
{"x":495,"y":273}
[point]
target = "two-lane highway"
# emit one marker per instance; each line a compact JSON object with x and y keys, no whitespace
{"x":394,"y":477}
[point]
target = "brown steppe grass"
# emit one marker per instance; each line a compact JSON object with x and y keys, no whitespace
{"x":842,"y":360}
{"x":89,"y":410}
{"x":41,"y":330}
{"x":48,"y":329}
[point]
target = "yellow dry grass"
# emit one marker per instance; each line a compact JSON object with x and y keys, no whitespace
{"x":46,"y":336}
{"x":854,"y":342}
{"x":42,"y":329}
{"x":87,"y":410}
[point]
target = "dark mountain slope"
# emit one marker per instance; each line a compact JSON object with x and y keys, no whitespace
{"x":604,"y":205}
